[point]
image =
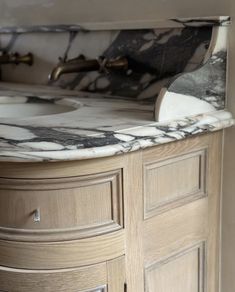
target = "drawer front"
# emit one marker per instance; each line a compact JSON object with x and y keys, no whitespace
{"x":88,"y":279}
{"x":174,"y":182}
{"x":73,"y":208}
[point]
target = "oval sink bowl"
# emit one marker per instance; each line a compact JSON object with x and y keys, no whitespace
{"x":25,"y":107}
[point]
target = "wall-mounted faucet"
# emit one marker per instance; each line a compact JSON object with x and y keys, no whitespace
{"x":80,"y":64}
{"x":10,"y":58}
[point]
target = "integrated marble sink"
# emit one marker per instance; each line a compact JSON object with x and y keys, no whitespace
{"x":86,"y":126}
{"x":26,"y":107}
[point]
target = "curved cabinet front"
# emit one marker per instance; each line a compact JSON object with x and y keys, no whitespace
{"x":95,"y":278}
{"x":150,"y":218}
{"x":61,"y":209}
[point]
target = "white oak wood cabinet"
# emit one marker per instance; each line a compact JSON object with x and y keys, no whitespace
{"x":147,"y":221}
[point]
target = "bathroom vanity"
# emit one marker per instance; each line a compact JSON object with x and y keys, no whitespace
{"x":114,"y":204}
{"x":115,"y":185}
{"x":147,"y":221}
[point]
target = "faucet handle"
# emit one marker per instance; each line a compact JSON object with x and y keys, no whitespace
{"x":74,"y":60}
{"x":15,"y":58}
{"x":120,"y":63}
{"x":25,"y":59}
{"x":106,"y":65}
{"x":79,"y":58}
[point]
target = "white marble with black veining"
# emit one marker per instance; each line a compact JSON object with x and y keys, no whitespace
{"x":119,"y":117}
{"x":155,"y":54}
{"x":202,"y":90}
{"x":151,"y":55}
{"x":103,"y":126}
{"x":208,"y":82}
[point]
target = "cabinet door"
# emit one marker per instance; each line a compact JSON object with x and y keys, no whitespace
{"x":182,"y":216}
{"x":177,"y":273}
{"x":176,"y":211}
{"x":103,"y":277}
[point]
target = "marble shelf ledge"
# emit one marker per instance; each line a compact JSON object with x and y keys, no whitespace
{"x":76,"y":27}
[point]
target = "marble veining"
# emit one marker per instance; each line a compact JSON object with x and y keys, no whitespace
{"x":179,"y":57}
{"x":207,"y":83}
{"x":102,"y":127}
{"x":117,"y":113}
{"x":155,"y":54}
{"x":200,"y":91}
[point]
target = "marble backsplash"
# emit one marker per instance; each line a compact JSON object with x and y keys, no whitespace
{"x":155,"y":55}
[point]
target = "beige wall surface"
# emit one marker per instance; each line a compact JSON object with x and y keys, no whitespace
{"x":52,"y":12}
{"x":228,"y":224}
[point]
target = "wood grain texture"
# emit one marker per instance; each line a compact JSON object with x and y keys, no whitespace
{"x":176,"y":229}
{"x":214,"y":212}
{"x":133,"y":201}
{"x":109,"y":276}
{"x":197,"y":221}
{"x":116,"y":274}
{"x":70,"y":208}
{"x":174,"y":182}
{"x":179,"y":272}
{"x":42,"y":170}
{"x":182,"y":185}
{"x":56,"y":255}
{"x":73,"y":280}
{"x":167,"y":151}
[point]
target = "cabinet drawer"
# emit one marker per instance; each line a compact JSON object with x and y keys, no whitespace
{"x":87,"y":279}
{"x":65,"y":208}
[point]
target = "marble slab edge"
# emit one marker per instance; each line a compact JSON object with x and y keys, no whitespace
{"x":164,"y":133}
{"x":169,"y":23}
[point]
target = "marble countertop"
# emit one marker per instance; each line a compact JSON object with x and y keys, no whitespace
{"x":103,"y":126}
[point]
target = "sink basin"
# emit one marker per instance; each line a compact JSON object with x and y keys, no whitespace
{"x":25,"y":107}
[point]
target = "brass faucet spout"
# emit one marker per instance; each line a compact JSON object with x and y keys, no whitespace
{"x":73,"y":67}
{"x":82,"y":65}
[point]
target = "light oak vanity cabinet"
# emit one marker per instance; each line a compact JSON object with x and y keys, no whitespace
{"x":144,"y":221}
